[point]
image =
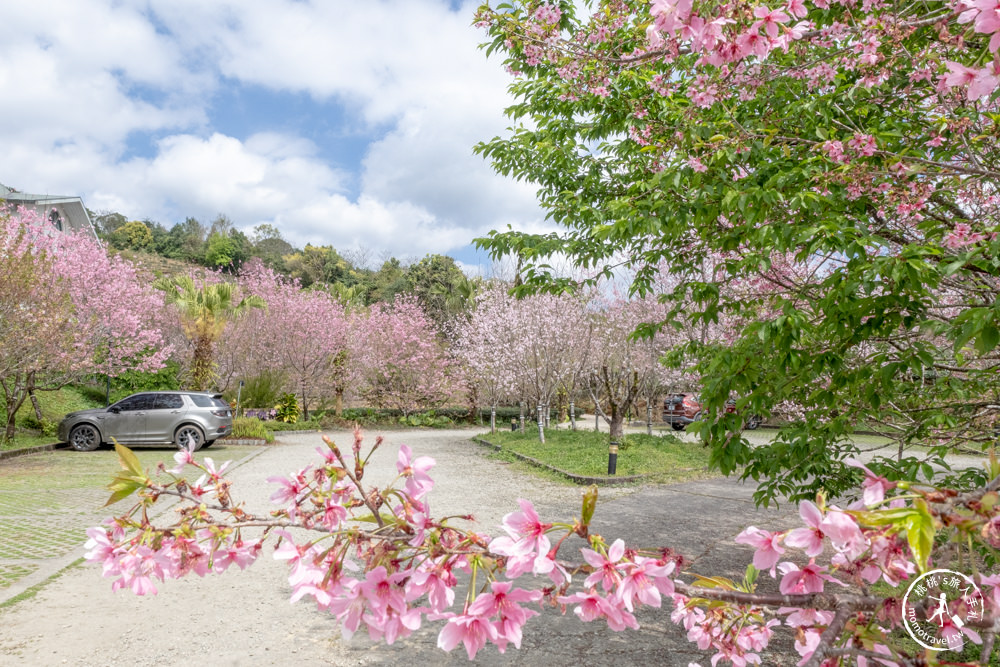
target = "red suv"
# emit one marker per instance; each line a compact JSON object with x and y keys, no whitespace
{"x":679,"y":410}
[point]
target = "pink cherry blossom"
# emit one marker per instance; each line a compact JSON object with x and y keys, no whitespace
{"x":644,"y":580}
{"x":471,"y":631}
{"x":875,"y":486}
{"x":418,"y":482}
{"x":435,"y":580}
{"x":770,"y":19}
{"x":607,"y":569}
{"x":808,"y":539}
{"x":807,"y":646}
{"x":767,"y":544}
{"x":808,"y":579}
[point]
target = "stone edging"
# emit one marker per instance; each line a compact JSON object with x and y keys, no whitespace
{"x":576,"y":479}
{"x":32,"y":450}
{"x":254,"y":442}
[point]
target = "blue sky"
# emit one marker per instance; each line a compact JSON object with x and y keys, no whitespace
{"x":343,"y":122}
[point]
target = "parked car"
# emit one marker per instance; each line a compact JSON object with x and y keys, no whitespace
{"x":679,"y":410}
{"x":187,"y":419}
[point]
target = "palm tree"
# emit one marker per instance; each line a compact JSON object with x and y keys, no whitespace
{"x":204,"y":310}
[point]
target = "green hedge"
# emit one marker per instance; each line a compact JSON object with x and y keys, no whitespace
{"x":251,"y":427}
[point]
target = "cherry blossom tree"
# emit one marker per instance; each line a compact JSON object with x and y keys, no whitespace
{"x":624,"y":367}
{"x":34,"y":312}
{"x":483,"y":345}
{"x":70,"y":309}
{"x":403,"y":363}
{"x":856,"y":137}
{"x":304,"y":334}
{"x":547,"y":331}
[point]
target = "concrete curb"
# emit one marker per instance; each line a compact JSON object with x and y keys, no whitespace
{"x":253,"y":442}
{"x":38,"y":449}
{"x":576,"y":479}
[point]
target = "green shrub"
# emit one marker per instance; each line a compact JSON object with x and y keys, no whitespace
{"x":288,"y":409}
{"x":251,"y":427}
{"x":46,"y":427}
{"x":428,"y":418}
{"x":131,"y":382}
{"x":262,"y":391}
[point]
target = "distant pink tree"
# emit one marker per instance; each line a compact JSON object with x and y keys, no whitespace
{"x":304,"y":334}
{"x":403,"y":364}
{"x":69,"y":309}
{"x":548,"y":331}
{"x":485,"y":347}
{"x":624,"y":366}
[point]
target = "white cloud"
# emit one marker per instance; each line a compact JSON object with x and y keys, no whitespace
{"x":84,"y":77}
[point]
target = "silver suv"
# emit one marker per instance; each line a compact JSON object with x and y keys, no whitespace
{"x":188,"y":419}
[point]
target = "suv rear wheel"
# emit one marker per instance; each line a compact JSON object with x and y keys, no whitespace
{"x":189,"y":437}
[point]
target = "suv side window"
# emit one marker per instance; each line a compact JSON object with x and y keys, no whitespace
{"x":201,"y":400}
{"x":168,"y":402}
{"x":135,"y":403}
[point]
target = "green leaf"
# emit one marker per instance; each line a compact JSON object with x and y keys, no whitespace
{"x":920,"y":534}
{"x":988,"y":338}
{"x":128,"y":460}
{"x":123,"y":487}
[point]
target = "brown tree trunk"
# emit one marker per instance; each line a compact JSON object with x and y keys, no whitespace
{"x":338,"y":405}
{"x":14,"y":395}
{"x":35,"y":404}
{"x":616,"y":424}
{"x":201,"y":365}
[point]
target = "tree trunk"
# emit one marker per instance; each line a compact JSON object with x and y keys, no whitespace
{"x":338,"y":403}
{"x":35,"y":404}
{"x":616,"y":424}
{"x":8,"y":434}
{"x":14,"y":395}
{"x":572,"y":416}
{"x":649,"y":418}
{"x":201,"y":366}
{"x":541,"y":425}
{"x":473,"y":395}
{"x":522,"y":417}
{"x":493,"y":419}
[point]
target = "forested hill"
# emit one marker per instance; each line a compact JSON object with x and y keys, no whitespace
{"x":357,"y":276}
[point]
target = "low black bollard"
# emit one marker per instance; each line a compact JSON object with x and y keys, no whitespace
{"x":513,"y":425}
{"x":612,"y":458}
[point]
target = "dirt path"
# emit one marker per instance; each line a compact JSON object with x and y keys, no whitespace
{"x":246,"y":619}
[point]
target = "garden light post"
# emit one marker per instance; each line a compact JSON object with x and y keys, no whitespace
{"x":612,"y":457}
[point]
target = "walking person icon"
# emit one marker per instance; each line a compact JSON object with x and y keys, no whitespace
{"x":941,"y":610}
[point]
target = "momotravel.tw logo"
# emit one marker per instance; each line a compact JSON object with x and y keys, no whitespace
{"x":937,"y":607}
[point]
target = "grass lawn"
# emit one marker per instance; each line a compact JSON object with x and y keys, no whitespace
{"x":586,"y":453}
{"x":55,"y":405}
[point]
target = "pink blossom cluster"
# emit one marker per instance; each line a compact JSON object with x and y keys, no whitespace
{"x":406,"y":571}
{"x":961,"y":236}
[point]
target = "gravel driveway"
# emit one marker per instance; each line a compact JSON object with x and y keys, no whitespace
{"x":246,"y":619}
